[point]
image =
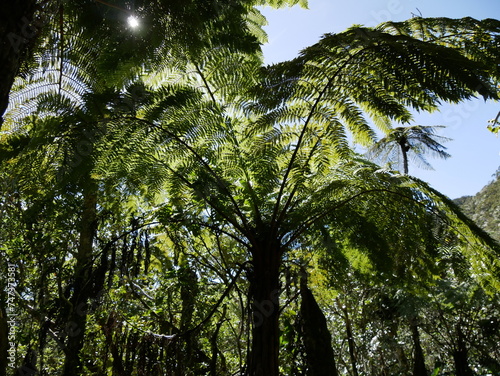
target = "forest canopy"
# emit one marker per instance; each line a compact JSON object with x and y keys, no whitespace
{"x":171,"y":206}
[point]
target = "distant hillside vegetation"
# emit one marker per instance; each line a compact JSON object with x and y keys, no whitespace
{"x":484,"y":207}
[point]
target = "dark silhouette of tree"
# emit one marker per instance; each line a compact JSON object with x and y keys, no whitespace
{"x":18,"y":33}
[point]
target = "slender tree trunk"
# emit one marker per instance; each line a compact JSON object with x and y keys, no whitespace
{"x":404,"y":150}
{"x":419,"y":368}
{"x":264,"y":295}
{"x":216,"y":352}
{"x":317,"y":338}
{"x":188,"y":292}
{"x":18,"y":31}
{"x":350,"y":342}
{"x":76,"y":325}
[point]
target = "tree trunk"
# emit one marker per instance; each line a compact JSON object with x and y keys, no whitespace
{"x":419,"y":368}
{"x":317,"y":338}
{"x":404,"y":150}
{"x":350,"y":342}
{"x":188,"y":291}
{"x":460,"y":355}
{"x":264,"y":295}
{"x":18,"y":31}
{"x":28,"y":367}
{"x":77,"y":322}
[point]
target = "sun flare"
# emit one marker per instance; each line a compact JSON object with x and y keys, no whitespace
{"x":133,"y":22}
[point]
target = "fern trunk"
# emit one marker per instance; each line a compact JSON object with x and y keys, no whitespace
{"x":460,"y":354}
{"x":264,"y":294}
{"x":404,"y":150}
{"x":419,"y":368}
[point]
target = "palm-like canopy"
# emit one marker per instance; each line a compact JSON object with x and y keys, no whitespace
{"x":61,"y":105}
{"x":262,"y":157}
{"x":30,"y":29}
{"x":414,"y":142}
{"x":274,"y":171}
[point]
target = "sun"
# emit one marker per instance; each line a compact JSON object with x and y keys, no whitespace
{"x":133,"y":22}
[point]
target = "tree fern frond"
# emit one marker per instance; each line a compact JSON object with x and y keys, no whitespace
{"x":479,"y":248}
{"x":473,"y":37}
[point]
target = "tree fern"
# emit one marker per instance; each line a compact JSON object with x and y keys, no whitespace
{"x":412,"y":142}
{"x":285,"y":172}
{"x":261,"y":157}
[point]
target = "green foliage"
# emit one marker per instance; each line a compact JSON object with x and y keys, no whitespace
{"x":493,"y":125}
{"x":181,"y":178}
{"x":483,"y":208}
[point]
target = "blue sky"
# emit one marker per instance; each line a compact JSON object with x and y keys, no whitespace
{"x":475,"y":151}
